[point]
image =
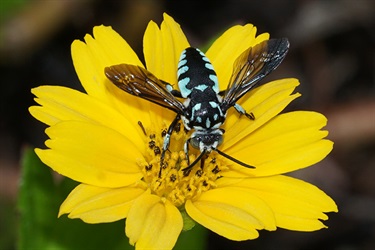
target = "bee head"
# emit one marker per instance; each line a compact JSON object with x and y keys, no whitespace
{"x":206,"y":140}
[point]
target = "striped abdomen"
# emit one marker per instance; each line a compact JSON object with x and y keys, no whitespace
{"x":198,"y":83}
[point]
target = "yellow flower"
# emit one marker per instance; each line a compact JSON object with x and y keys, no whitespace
{"x":110,"y":142}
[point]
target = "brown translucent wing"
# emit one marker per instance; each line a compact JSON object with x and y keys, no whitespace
{"x":252,"y":66}
{"x":139,"y":82}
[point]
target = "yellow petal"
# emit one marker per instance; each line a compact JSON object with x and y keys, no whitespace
{"x":98,"y":205}
{"x":112,"y":49}
{"x":231,"y":212}
{"x":225,"y":50}
{"x":162,"y":48}
{"x":288,"y":142}
{"x":91,"y":154}
{"x":92,"y":56}
{"x":114,"y":46}
{"x":265,"y":103}
{"x":297,"y":205}
{"x":89,"y":73}
{"x":153,"y":224}
{"x":64,"y":104}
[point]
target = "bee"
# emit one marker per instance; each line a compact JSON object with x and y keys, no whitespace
{"x":205,"y":107}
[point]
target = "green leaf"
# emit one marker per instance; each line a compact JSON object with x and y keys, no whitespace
{"x":195,"y":238}
{"x":189,"y":223}
{"x":39,"y":228}
{"x":36,"y":203}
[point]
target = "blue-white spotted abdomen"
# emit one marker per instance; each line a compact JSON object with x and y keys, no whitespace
{"x":198,"y":83}
{"x":195,"y":71}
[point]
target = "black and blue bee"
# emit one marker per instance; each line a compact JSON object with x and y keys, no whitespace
{"x":205,"y":107}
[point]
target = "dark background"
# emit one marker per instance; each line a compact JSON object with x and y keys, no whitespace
{"x":332,"y":53}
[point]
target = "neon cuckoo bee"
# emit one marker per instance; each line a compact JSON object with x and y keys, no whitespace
{"x":205,"y":106}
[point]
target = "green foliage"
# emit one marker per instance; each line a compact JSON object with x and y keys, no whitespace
{"x":192,"y":239}
{"x":39,"y":228}
{"x":8,"y":7}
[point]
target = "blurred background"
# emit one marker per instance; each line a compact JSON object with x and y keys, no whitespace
{"x":332,"y":53}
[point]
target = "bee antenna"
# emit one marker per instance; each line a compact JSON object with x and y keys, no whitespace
{"x":233,"y":159}
{"x":195,"y":161}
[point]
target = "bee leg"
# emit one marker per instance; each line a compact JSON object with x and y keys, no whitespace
{"x":203,"y":159}
{"x":174,"y":92}
{"x":186,"y":150}
{"x":242,"y":111}
{"x":222,"y":93}
{"x":189,"y":167}
{"x":167,"y":140}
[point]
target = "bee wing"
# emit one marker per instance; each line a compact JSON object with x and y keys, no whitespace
{"x":139,"y":82}
{"x":252,"y":66}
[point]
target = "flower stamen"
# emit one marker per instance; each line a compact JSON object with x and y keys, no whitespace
{"x":143,"y":128}
{"x":173,"y":182}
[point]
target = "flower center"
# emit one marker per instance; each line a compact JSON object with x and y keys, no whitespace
{"x":170,"y":180}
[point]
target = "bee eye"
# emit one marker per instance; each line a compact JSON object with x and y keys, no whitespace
{"x":219,"y":139}
{"x":194,"y":141}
